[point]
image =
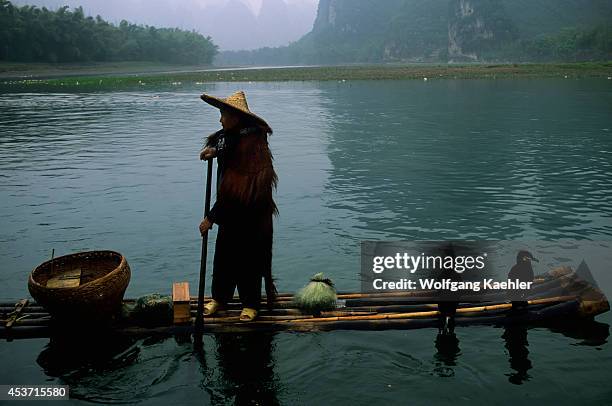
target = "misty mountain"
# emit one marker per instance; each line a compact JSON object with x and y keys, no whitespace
{"x":232,"y":24}
{"x":441,"y":29}
{"x":446,"y":30}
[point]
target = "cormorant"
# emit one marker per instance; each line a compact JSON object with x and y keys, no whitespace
{"x":523,"y":271}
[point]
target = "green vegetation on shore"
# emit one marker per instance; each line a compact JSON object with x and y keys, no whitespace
{"x":32,"y":34}
{"x":440,"y":31}
{"x":45,"y":70}
{"x":322,"y":73}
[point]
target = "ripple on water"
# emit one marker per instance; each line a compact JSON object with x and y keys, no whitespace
{"x":120,"y":171}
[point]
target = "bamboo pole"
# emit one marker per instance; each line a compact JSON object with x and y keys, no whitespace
{"x":382,"y":307}
{"x":433,"y":313}
{"x":394,"y":300}
{"x":411,"y":307}
{"x":555,"y":310}
{"x":549,"y":288}
{"x":262,"y":312}
{"x":388,"y":304}
{"x":233,"y":318}
{"x":560,"y":309}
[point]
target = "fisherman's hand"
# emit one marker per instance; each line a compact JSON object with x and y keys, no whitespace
{"x":208,"y":153}
{"x":205,"y":225}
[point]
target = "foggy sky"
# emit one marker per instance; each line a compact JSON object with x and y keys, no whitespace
{"x":233,"y":24}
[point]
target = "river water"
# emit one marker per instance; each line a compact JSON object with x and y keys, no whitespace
{"x":357,"y":160}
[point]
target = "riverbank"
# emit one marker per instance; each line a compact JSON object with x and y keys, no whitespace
{"x":20,"y":70}
{"x":119,"y":76}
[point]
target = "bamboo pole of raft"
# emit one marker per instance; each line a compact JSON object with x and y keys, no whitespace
{"x":289,"y":312}
{"x":203,"y":257}
{"x":434,"y":313}
{"x":555,"y":310}
{"x":232,"y":316}
{"x":45,"y":331}
{"x":331,"y":316}
{"x":284,"y":308}
{"x":540,"y":285}
{"x":560,"y":287}
{"x":411,"y":308}
{"x":386,"y":307}
{"x":472,"y":312}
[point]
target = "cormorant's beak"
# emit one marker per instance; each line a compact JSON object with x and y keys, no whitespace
{"x":534,"y":259}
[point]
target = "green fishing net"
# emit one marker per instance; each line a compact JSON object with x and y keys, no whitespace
{"x":317,"y":296}
{"x":150,"y":310}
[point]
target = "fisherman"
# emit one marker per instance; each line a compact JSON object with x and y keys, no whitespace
{"x":523,"y":271}
{"x":244,"y":207}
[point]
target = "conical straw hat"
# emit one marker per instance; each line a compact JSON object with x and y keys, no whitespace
{"x":236,"y":101}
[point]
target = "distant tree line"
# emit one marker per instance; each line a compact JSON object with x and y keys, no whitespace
{"x":32,"y":34}
{"x":571,"y":44}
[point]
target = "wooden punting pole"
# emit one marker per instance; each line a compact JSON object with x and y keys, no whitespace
{"x":199,"y":324}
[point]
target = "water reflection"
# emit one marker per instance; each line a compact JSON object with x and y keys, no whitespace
{"x":592,"y":333}
{"x":66,"y":355}
{"x":110,"y":368}
{"x":113,"y":369}
{"x":247,"y":369}
{"x":515,"y":337}
{"x":447,"y":355}
{"x":414,"y":160}
{"x":242,"y":368}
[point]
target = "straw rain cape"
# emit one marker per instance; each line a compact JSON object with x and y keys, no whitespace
{"x":244,"y":207}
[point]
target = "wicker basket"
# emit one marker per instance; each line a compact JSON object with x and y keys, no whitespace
{"x":100,"y":279}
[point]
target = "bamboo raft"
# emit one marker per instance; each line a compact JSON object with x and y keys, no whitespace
{"x":558,"y":296}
